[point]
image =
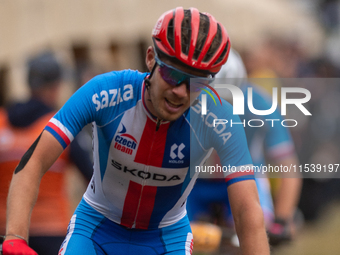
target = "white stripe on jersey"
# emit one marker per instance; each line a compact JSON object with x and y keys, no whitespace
{"x":62,"y":128}
{"x":68,"y":236}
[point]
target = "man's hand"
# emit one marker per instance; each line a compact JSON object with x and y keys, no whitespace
{"x":16,"y":247}
{"x":279,"y":232}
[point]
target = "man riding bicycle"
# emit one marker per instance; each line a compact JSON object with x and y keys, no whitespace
{"x":148,"y":133}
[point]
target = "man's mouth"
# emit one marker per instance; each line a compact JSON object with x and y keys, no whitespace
{"x":173,"y":104}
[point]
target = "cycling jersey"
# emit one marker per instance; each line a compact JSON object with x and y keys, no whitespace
{"x":142,"y":172}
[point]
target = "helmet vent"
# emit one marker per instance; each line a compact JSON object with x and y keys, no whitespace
{"x":202,"y":34}
{"x":223,"y":53}
{"x":214,"y":45}
{"x":171,"y":33}
{"x":186,"y":32}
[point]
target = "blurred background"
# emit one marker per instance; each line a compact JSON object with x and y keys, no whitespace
{"x":115,"y":34}
{"x":276,"y":38}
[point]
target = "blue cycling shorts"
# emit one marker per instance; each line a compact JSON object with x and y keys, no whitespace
{"x":90,"y":233}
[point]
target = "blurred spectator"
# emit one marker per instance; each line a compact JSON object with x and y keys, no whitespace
{"x":276,"y":58}
{"x":20,"y":124}
{"x":86,"y":72}
{"x":329,"y":13}
{"x":317,"y":139}
{"x":2,"y":86}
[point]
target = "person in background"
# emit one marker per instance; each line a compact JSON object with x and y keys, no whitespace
{"x":20,"y":124}
{"x":267,"y":144}
{"x":2,"y":87}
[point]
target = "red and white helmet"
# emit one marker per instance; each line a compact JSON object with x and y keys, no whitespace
{"x":191,"y":42}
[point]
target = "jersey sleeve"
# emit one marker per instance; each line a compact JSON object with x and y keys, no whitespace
{"x":100,"y":100}
{"x":228,"y":138}
{"x":78,"y":111}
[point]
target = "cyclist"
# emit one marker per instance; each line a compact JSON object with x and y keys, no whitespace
{"x":146,"y":139}
{"x":273,"y":143}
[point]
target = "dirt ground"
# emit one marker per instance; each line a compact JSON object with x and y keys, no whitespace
{"x":319,"y":238}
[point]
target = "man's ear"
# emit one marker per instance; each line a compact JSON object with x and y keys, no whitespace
{"x":150,"y":58}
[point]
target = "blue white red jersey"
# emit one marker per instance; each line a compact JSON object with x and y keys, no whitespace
{"x":142,"y":175}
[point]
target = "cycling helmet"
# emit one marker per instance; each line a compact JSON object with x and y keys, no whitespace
{"x":234,"y":70}
{"x":43,"y":70}
{"x":192,"y":38}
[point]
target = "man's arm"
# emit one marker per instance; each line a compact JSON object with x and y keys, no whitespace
{"x":25,"y":183}
{"x":288,"y":193}
{"x":286,"y":199}
{"x":248,"y":217}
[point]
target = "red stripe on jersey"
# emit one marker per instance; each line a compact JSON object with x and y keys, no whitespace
{"x":239,"y":174}
{"x":131,"y":204}
{"x":59,"y":132}
{"x":152,"y":144}
{"x":146,"y":207}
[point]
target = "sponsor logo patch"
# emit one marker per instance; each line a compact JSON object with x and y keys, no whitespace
{"x":125,"y":142}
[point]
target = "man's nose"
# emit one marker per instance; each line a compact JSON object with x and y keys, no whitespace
{"x":181,"y":90}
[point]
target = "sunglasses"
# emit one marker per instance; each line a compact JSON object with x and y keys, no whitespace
{"x":176,"y":77}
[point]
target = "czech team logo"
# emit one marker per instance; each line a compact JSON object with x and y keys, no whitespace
{"x":125,"y":142}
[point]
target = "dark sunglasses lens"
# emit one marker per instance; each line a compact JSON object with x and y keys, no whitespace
{"x":171,"y":76}
{"x":175,"y":77}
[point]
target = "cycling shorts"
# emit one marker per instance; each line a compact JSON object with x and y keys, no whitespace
{"x":90,"y":233}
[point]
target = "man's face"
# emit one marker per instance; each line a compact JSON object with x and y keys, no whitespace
{"x":166,"y":101}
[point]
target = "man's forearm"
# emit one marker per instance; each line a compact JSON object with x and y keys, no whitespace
{"x":251,"y":232}
{"x":25,"y":183}
{"x":287,"y":196}
{"x":21,"y":199}
{"x":248,"y":217}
